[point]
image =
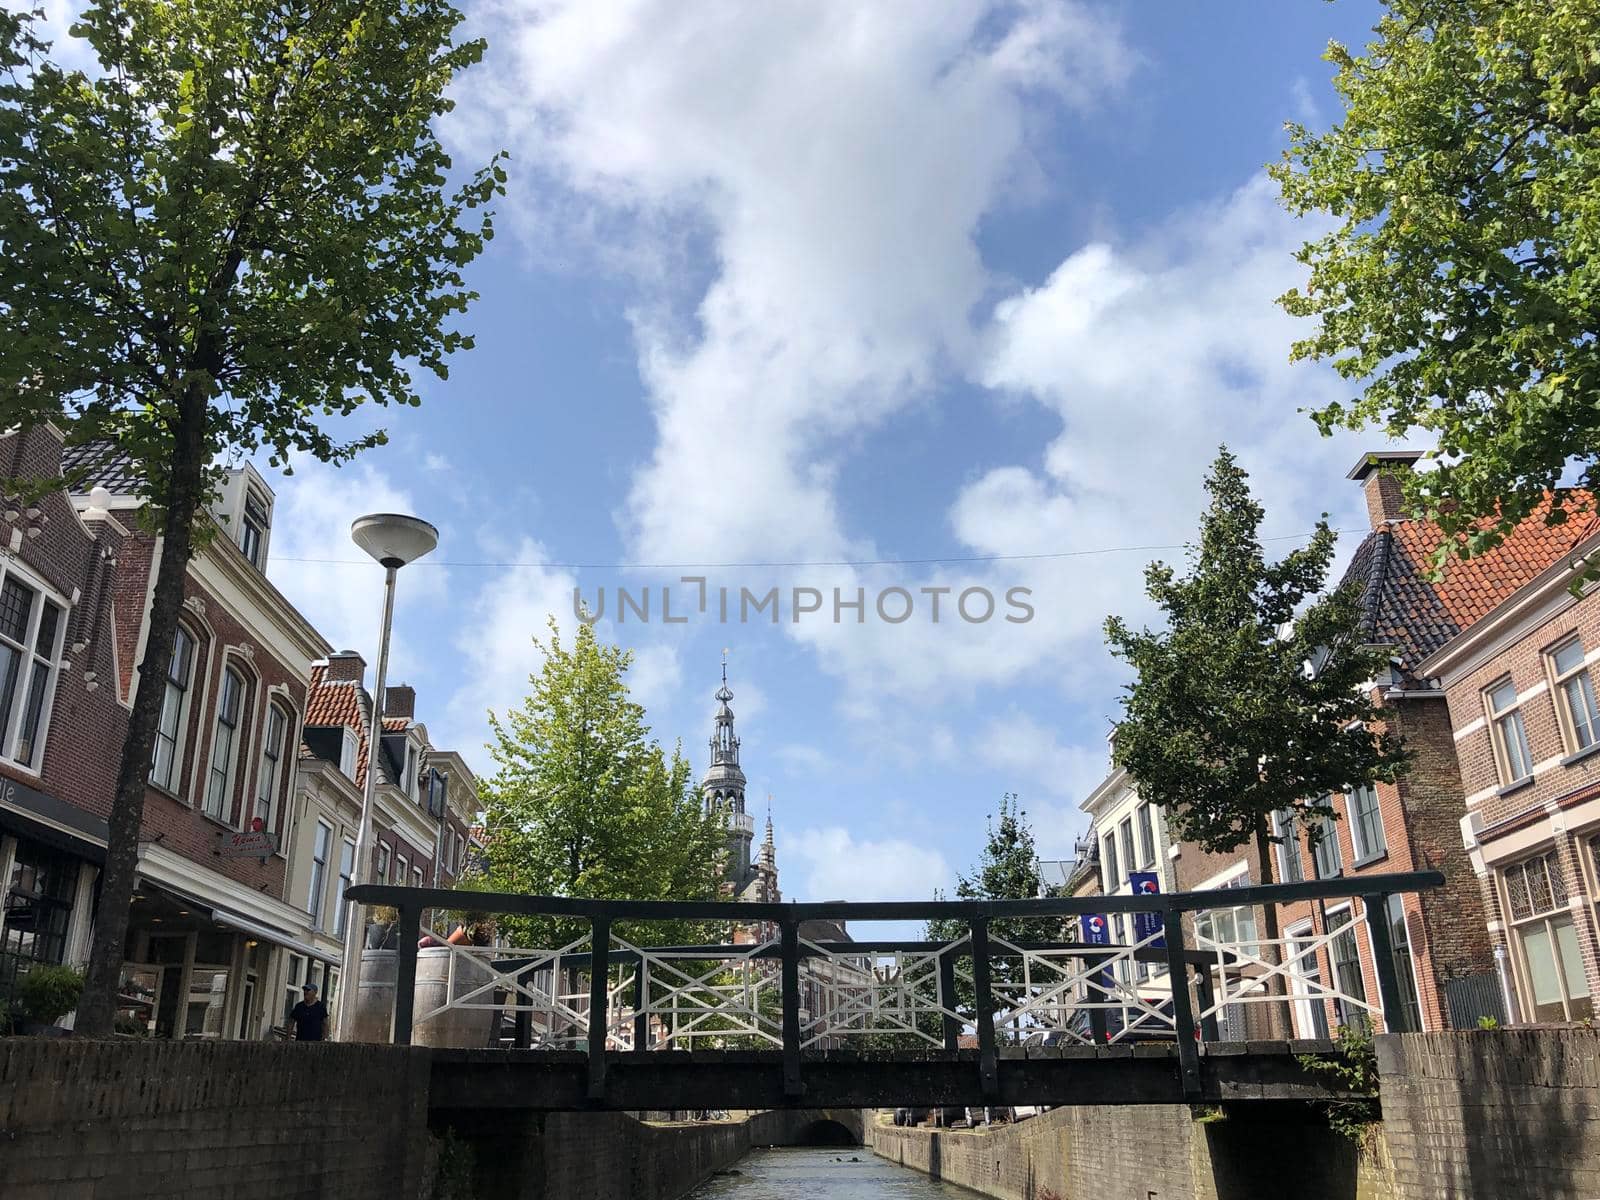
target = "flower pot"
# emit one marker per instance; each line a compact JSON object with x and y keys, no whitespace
{"x":375,"y":997}
{"x":462,"y":1027}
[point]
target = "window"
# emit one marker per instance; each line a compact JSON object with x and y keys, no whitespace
{"x":1233,"y":927}
{"x":31,"y":628}
{"x":292,"y":979}
{"x":382,"y":872}
{"x":436,"y":794}
{"x":1366,"y":823}
{"x":1310,"y":1012}
{"x":271,"y":762}
{"x":320,"y":845}
{"x":219,"y":778}
{"x":460,"y":857}
{"x":409,"y":778}
{"x":1110,"y":878}
{"x":1510,"y":734}
{"x":1147,"y":837}
{"x":38,"y":903}
{"x":1555,"y":988}
{"x":1347,"y":977}
{"x":1128,"y":848}
{"x":400,"y":864}
{"x":169,"y":726}
{"x":1287,"y":830}
{"x":253,"y":530}
{"x":1409,"y":1019}
{"x":417,"y":878}
{"x":347,"y":869}
{"x":1575,"y":702}
{"x":1325,"y":847}
{"x":347,"y":753}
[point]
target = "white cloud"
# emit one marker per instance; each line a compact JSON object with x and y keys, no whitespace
{"x":831,"y":863}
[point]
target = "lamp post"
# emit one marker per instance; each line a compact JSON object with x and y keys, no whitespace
{"x":394,"y":540}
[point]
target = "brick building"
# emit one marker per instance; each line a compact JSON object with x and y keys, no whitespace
{"x":1519,"y":683}
{"x":425,"y":802}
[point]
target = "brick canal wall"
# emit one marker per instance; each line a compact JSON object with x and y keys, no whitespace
{"x":130,"y":1120}
{"x":1513,"y":1115}
{"x":1262,"y":1152}
{"x":247,"y":1120}
{"x":1507,"y":1114}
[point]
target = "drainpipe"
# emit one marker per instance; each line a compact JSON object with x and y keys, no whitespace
{"x":1507,"y":992}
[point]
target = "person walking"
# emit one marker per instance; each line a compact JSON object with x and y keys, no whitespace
{"x":310,"y":1016}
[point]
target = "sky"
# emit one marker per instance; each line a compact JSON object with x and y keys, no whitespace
{"x":959,"y":295}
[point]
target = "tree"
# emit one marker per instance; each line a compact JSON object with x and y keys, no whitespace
{"x":1255,"y":699}
{"x":1008,"y":869}
{"x":236,"y":227}
{"x":583,"y":804}
{"x":1461,"y":284}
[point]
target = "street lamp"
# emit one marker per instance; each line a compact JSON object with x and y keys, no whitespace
{"x":394,"y":540}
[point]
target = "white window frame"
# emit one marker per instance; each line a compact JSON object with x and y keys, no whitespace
{"x":1333,"y":918}
{"x":213,"y":805}
{"x":1144,"y":819}
{"x":316,"y":889}
{"x":1110,"y":880}
{"x":1307,"y":1003}
{"x":273,"y":752}
{"x":184,"y":691}
{"x":460,"y":856}
{"x":347,"y":867}
{"x":381,"y":874}
{"x":248,"y":525}
{"x":402,"y":870}
{"x":1575,"y":726}
{"x":1501,"y":721}
{"x":1288,"y":847}
{"x":30,"y":661}
{"x":1549,"y":919}
{"x":1364,"y":853}
{"x":418,"y":875}
{"x":1326,"y":833}
{"x":349,"y":752}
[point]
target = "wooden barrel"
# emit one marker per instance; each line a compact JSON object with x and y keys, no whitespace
{"x":375,"y":997}
{"x":464,"y":1027}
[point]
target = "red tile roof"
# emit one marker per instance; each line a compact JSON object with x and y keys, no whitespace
{"x":1417,"y":615}
{"x":340,"y":703}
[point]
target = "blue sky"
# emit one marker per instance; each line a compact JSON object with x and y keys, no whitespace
{"x":824,"y":281}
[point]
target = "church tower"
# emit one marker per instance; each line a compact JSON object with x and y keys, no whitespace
{"x":723,"y":789}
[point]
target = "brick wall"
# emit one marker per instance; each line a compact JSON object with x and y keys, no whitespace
{"x":1259,"y":1151}
{"x":128,"y":1120}
{"x":1508,"y":1114}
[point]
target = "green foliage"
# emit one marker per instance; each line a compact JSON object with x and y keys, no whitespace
{"x":1461,"y":284}
{"x":1355,"y":1067}
{"x":1008,"y":869}
{"x":1488,"y":1023}
{"x":1224,"y":723}
{"x":237,"y":226}
{"x":582,"y":803}
{"x":47,"y":993}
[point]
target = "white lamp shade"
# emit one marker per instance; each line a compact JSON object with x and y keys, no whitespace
{"x":393,"y":538}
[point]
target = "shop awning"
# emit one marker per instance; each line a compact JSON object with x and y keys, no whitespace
{"x":33,"y":814}
{"x":225,"y":916}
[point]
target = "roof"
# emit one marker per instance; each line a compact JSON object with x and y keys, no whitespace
{"x":102,"y":464}
{"x":341,"y":702}
{"x":1403,"y":608}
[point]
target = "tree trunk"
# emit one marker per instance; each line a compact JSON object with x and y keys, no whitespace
{"x":97,"y":1007}
{"x":1279,"y":1026}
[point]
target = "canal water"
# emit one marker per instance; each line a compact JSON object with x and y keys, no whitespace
{"x":850,"y":1173}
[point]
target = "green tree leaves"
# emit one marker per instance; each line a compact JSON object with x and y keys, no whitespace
{"x":1461,"y":287}
{"x":582,"y":803}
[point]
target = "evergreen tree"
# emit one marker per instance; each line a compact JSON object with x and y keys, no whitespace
{"x":1255,"y":699}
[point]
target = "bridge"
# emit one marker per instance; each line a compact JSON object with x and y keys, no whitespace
{"x":783,"y":1015}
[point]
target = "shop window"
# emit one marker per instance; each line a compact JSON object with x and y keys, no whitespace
{"x":32,"y":626}
{"x":1512,"y":755}
{"x":38,"y":907}
{"x":169,"y":725}
{"x":1366,"y":823}
{"x":219,"y":778}
{"x":1554,"y":985}
{"x":1575,"y":699}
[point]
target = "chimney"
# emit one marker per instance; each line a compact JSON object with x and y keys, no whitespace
{"x":345,"y":666}
{"x":400,"y":700}
{"x":1379,"y":473}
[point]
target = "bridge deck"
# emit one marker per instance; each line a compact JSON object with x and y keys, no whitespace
{"x":731,"y":1079}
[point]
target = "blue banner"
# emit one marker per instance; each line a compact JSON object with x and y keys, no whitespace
{"x":1096,"y":929}
{"x":1145,"y":883}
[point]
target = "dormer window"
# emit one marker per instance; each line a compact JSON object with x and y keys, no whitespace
{"x":253,"y":530}
{"x":347,"y":753}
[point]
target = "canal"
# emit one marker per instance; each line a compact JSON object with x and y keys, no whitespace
{"x":848,"y":1173}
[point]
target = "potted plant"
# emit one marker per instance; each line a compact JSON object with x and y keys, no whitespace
{"x":450,"y":971}
{"x":48,"y":993}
